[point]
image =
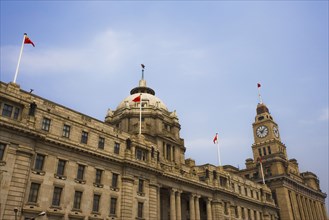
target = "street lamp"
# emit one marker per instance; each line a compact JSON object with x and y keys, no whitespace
{"x":15,"y":210}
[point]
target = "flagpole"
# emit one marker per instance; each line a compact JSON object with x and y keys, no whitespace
{"x":19,"y":58}
{"x":261,"y":170}
{"x":260,"y":97}
{"x":140,"y":114}
{"x":218,"y":154}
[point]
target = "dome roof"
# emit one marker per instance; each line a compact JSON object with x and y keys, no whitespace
{"x":148,"y":98}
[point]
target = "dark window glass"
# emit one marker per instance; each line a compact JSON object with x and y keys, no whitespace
{"x":57,"y":196}
{"x":113,"y":206}
{"x":81,"y":170}
{"x":77,"y":199}
{"x":260,"y":151}
{"x":98,"y":177}
{"x":116,"y":148}
{"x":140,"y":210}
{"x":2,"y":150}
{"x":39,"y":160}
{"x":96,"y":202}
{"x":141,"y":154}
{"x":140,"y":186}
{"x":246,"y":191}
{"x":269,"y":149}
{"x":7,"y":110}
{"x":168,"y":152}
{"x":101,"y":143}
{"x":16,"y":113}
{"x":61,"y":167}
{"x":33,"y":107}
{"x":115,"y":180}
{"x":34,"y":190}
{"x":45,"y":124}
{"x":84,"y":137}
{"x":264,"y":151}
{"x":66,"y":131}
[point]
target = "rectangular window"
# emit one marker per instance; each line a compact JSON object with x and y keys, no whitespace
{"x":66,"y":131}
{"x":61,"y":167}
{"x":141,"y":154}
{"x":260,"y":152}
{"x":34,"y":191}
{"x":77,"y":200}
{"x":223,"y":181}
{"x":16,"y":113}
{"x":115,"y":180}
{"x":101,"y":143}
{"x":81,"y":170}
{"x":84,"y":137}
{"x":116,"y":148}
{"x":269,"y":149}
{"x":96,"y":202}
{"x":168,"y":152}
{"x":245,"y":191}
{"x":45,"y":124}
{"x":113,"y":206}
{"x":2,"y":150}
{"x":57,"y":196}
{"x":140,"y":186}
{"x":264,"y":151}
{"x":252,"y":193}
{"x":140,"y":210}
{"x":98,"y":177}
{"x":242,"y":213}
{"x":39,"y":160}
{"x":7,"y":110}
{"x":239,"y":189}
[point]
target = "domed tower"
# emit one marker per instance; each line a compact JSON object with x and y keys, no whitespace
{"x":157,"y":125}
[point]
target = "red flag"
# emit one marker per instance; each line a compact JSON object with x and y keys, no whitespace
{"x":28,"y":41}
{"x":215,"y":138}
{"x":143,"y":66}
{"x":258,"y":85}
{"x":137,"y":99}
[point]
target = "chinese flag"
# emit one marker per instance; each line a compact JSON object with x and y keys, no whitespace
{"x":137,"y":99}
{"x":215,"y":138}
{"x":28,"y":41}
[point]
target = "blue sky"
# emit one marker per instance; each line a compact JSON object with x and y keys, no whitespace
{"x":203,"y":59}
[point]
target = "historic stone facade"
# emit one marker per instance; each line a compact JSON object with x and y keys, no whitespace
{"x":72,"y":166}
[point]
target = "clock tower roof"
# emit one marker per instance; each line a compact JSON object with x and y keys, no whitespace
{"x":262,"y":108}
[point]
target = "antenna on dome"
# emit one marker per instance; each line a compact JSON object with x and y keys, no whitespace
{"x":143,"y":67}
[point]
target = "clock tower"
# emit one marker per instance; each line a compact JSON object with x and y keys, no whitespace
{"x":267,"y":141}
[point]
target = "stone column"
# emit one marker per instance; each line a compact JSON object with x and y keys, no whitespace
{"x":318,"y":204}
{"x":178,"y":205}
{"x":153,"y":201}
{"x":217,"y":214}
{"x":209,"y":211}
{"x":197,"y":207}
{"x":172,"y":205}
{"x":309,"y":209}
{"x":305,"y":208}
{"x":300,"y":207}
{"x":159,"y":203}
{"x":126,"y":201}
{"x":192,"y":207}
{"x":324,"y":211}
{"x":294,"y":205}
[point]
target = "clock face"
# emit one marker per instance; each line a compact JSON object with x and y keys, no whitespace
{"x":262,"y":131}
{"x":276,"y":131}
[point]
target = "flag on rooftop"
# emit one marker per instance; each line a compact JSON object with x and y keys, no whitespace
{"x":258,"y":85}
{"x":137,"y":99}
{"x":27,"y":40}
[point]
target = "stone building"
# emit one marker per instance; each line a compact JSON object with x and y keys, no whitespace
{"x":71,"y":166}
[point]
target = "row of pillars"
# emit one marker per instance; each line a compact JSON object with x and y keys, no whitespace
{"x":308,"y":209}
{"x":175,"y":206}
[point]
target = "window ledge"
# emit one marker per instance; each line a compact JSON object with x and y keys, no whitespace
{"x":99,"y":185}
{"x":80,"y":181}
{"x":60,"y":177}
{"x":39,"y":172}
{"x":114,"y":189}
{"x":140,"y":193}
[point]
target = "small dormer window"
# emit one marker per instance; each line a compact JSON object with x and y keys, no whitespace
{"x":260,"y":118}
